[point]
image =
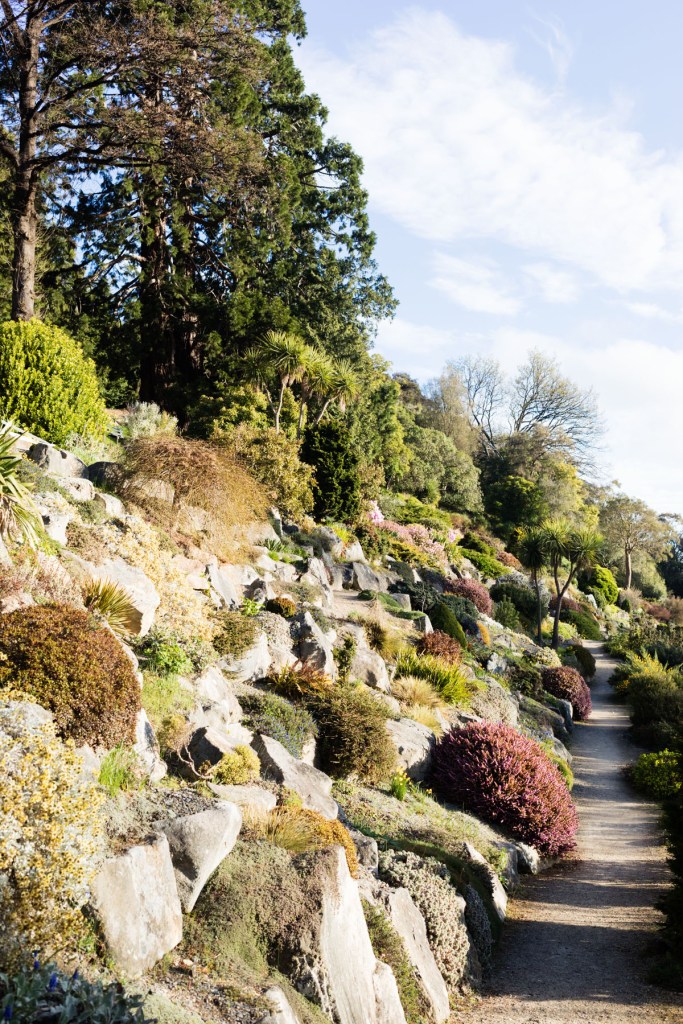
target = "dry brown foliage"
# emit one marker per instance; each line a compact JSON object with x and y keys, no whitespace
{"x":197,"y":488}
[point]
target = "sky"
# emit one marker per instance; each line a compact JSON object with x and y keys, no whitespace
{"x":524,"y":162}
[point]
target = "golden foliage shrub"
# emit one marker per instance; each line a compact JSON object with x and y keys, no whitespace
{"x":49,"y":837}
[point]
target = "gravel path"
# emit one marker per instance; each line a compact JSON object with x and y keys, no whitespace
{"x":573,"y":950}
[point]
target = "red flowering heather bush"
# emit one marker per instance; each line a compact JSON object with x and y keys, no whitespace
{"x":568,"y":684}
{"x":507,"y":559}
{"x":507,"y":779}
{"x":659,"y":612}
{"x":441,"y":645}
{"x":474,"y":592}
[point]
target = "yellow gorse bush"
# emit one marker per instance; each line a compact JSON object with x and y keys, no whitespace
{"x":49,"y":836}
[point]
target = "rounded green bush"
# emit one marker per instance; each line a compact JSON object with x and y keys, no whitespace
{"x":444,"y":620}
{"x":658,"y":775}
{"x":47,"y":385}
{"x":603,"y":582}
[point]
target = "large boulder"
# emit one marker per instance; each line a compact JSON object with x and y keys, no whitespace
{"x":218,"y":705}
{"x":141,"y":591}
{"x":222,"y":586}
{"x":281,"y":1012}
{"x":56,"y":524}
{"x":414,"y":745}
{"x":55,"y":461}
{"x":312,"y":785}
{"x":198,"y":844}
{"x":78,"y":488}
{"x":370,"y":668}
{"x":208,"y":744}
{"x":112,"y":505}
{"x":411,"y":927}
{"x":365,"y":578}
{"x":314,"y":647}
{"x":254,"y":664}
{"x":135,"y":899}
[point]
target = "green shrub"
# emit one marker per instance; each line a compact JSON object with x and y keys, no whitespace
{"x":237,"y":635}
{"x":343,"y":658}
{"x":46,"y":383}
{"x":521,"y":597}
{"x":388,"y":947}
{"x":353,"y":738}
{"x":282,"y":606}
{"x":43,"y":992}
{"x":238,"y":767}
{"x":289,"y":724}
{"x":167,"y":652}
{"x":445,"y":621}
{"x":74,"y":668}
{"x":120,"y":770}
{"x":50,"y":830}
{"x":145,"y":419}
{"x":489,"y":567}
{"x":473,"y":542}
{"x":274,"y":460}
{"x":658,"y":775}
{"x":453,"y":687}
{"x":583,"y":657}
{"x":601,"y":583}
{"x":525,"y":678}
{"x":336,"y":459}
{"x":506,"y":613}
{"x":585,"y":624}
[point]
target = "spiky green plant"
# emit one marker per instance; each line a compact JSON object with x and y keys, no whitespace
{"x":19,"y":516}
{"x":447,"y":679}
{"x":109,"y":600}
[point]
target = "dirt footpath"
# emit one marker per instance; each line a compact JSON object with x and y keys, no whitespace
{"x":573,"y":949}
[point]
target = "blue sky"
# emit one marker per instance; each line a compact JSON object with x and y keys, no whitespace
{"x":525,"y":169}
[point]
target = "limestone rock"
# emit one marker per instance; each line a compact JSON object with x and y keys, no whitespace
{"x":410,"y":925}
{"x":314,"y":647}
{"x":259,"y":590}
{"x":55,"y":525}
{"x":222,"y":586}
{"x":78,"y":488}
{"x":55,"y":461}
{"x":404,"y":601}
{"x":423,"y":624}
{"x":414,"y":744}
{"x":253,"y":665}
{"x":365,"y":578}
{"x":146,"y":747}
{"x":260,"y":533}
{"x":493,"y":883}
{"x":353,"y":552}
{"x":370,"y":668}
{"x":102,"y":473}
{"x":282,"y":1012}
{"x":198,"y":844}
{"x":136,"y":902}
{"x":367,"y":849}
{"x":140,"y":589}
{"x":210,"y":743}
{"x":387,"y":999}
{"x":246,"y":797}
{"x":312,"y":785}
{"x":113,"y":506}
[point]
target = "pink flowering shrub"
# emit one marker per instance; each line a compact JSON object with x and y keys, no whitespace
{"x":418,"y":536}
{"x":568,"y":684}
{"x":568,"y":604}
{"x":508,"y":780}
{"x":375,"y":514}
{"x":474,"y":592}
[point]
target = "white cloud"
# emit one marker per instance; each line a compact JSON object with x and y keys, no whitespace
{"x":652,"y":311}
{"x":475,"y":286}
{"x":552,"y":37}
{"x":459,"y":144}
{"x":556,"y":286}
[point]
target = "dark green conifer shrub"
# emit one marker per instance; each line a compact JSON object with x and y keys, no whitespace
{"x":336,"y":460}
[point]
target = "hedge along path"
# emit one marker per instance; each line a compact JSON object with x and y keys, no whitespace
{"x":573,"y":949}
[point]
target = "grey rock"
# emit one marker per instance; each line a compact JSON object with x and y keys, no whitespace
{"x":567,"y":711}
{"x":328,"y":541}
{"x":113,"y":506}
{"x":212,"y":687}
{"x":260,"y":533}
{"x":55,"y":461}
{"x":247,"y":797}
{"x":282,"y":1012}
{"x":253,"y":665}
{"x":391,"y":703}
{"x":370,"y":668}
{"x":259,"y":590}
{"x":210,"y":744}
{"x":16,"y":601}
{"x":365,"y":578}
{"x":55,"y":525}
{"x":354,"y":552}
{"x":410,"y":925}
{"x":387,"y":999}
{"x":135,"y":899}
{"x":198,"y":844}
{"x":528,"y":859}
{"x":139,"y":587}
{"x":423,"y":624}
{"x":404,"y":601}
{"x":312,"y":785}
{"x":414,"y":744}
{"x":316,"y":573}
{"x":103,"y":473}
{"x":496,"y":663}
{"x":314,"y":647}
{"x":78,"y":488}
{"x":493,"y":883}
{"x":146,"y":747}
{"x":367,"y":850}
{"x":222,"y":586}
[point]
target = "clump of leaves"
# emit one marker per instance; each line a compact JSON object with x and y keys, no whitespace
{"x":289,"y":724}
{"x":73,"y":667}
{"x":441,"y":645}
{"x":237,"y":768}
{"x":658,"y":775}
{"x":282,"y":606}
{"x":381,"y":638}
{"x":43,"y":992}
{"x":353,"y":738}
{"x":112,"y":602}
{"x":445,"y":678}
{"x":237,"y":634}
{"x":19,"y":516}
{"x":120,"y":770}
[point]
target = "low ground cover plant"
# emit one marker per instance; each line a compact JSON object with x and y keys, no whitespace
{"x":568,"y":684}
{"x":288,"y":723}
{"x":493,"y":771}
{"x":73,"y":667}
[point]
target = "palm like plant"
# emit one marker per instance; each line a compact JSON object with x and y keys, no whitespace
{"x":574,"y":549}
{"x":344,"y":388}
{"x":285,"y":355}
{"x":534,"y":556}
{"x":317,"y":381}
{"x":19,"y":516}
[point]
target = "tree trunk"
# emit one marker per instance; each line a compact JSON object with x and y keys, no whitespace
{"x":24,"y":216}
{"x":539,"y":610}
{"x":629,"y":568}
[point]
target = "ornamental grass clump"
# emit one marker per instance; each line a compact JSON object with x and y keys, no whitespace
{"x":476,"y":593}
{"x":568,"y":684}
{"x":447,"y":679}
{"x":505,"y":778}
{"x":73,"y":667}
{"x":298,"y":830}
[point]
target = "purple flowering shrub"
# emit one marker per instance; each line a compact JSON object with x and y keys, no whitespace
{"x":475,"y":592}
{"x":507,"y":779}
{"x":568,"y":684}
{"x":418,"y":536}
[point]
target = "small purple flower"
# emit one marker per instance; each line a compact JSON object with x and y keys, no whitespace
{"x":7,"y":1015}
{"x":74,"y":976}
{"x":52,"y":984}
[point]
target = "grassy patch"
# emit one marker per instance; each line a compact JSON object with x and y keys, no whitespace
{"x":163,"y":697}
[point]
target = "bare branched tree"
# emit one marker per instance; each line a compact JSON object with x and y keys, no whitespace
{"x":485,"y":388}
